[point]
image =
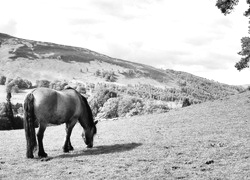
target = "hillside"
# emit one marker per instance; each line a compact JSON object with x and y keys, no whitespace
{"x":49,"y":60}
{"x":34,"y":60}
{"x":205,"y":141}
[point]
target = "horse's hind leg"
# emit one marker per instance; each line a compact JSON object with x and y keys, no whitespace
{"x":41,"y":152}
{"x":67,"y":145}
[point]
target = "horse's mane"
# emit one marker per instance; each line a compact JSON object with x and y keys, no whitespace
{"x":68,"y":87}
{"x":88,"y":108}
{"x":86,"y":103}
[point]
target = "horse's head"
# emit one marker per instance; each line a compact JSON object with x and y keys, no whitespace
{"x":90,"y":125}
{"x":88,"y":135}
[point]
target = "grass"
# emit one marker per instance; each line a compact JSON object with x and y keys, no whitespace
{"x":206,"y":141}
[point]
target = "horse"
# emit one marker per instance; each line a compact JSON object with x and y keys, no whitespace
{"x":45,"y":106}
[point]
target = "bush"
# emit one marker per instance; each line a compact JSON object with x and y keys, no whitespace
{"x":97,"y":72}
{"x":152,"y":106}
{"x":2,"y":109}
{"x":8,"y":80}
{"x":57,"y":85}
{"x":14,"y":89}
{"x":18,"y":122}
{"x":98,"y":99}
{"x":21,"y":83}
{"x":43,"y":83}
{"x":120,"y":107}
{"x":81,"y":89}
{"x":15,"y":84}
{"x":2,"y":80}
{"x":17,"y":108}
{"x":129,"y":106}
{"x":109,"y":76}
{"x":5,"y":124}
{"x":28,"y":83}
{"x":109,"y":109}
{"x":186,"y":102}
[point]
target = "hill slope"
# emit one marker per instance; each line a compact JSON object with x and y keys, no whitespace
{"x":205,"y":141}
{"x":34,"y":60}
{"x":49,"y":60}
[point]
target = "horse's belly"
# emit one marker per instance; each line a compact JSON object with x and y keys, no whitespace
{"x":54,"y":115}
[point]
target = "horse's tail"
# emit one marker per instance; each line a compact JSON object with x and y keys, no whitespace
{"x":29,"y":125}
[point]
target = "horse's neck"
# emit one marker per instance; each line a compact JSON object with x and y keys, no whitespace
{"x":85,"y":120}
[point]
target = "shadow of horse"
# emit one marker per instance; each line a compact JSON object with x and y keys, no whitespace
{"x":105,"y":149}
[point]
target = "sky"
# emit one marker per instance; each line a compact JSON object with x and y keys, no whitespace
{"x":183,"y":35}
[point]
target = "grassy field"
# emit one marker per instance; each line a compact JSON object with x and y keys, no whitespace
{"x":206,"y":141}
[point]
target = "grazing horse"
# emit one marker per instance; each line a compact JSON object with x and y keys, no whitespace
{"x":44,"y":106}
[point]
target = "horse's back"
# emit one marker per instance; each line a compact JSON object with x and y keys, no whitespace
{"x":56,"y":107}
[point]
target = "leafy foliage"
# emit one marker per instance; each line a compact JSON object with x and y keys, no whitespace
{"x":99,"y":98}
{"x":81,"y":89}
{"x":5,"y":123}
{"x":145,"y":99}
{"x":13,"y":85}
{"x":109,"y":76}
{"x":43,"y":83}
{"x":2,"y":80}
{"x":245,"y":52}
{"x":126,"y":106}
{"x":186,"y":103}
{"x":226,"y":7}
{"x":153,"y":106}
{"x":57,"y":85}
{"x":109,"y":109}
{"x":129,"y":106}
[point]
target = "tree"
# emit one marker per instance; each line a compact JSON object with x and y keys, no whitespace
{"x":226,"y":7}
{"x":9,"y":112}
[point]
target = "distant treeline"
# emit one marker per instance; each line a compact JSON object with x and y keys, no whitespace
{"x":196,"y":89}
{"x":108,"y":100}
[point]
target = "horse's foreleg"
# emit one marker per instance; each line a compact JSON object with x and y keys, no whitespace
{"x":67,"y":145}
{"x":41,"y":152}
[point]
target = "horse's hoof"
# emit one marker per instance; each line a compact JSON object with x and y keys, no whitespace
{"x":65,"y":150}
{"x":89,"y":146}
{"x":30,"y":156}
{"x":43,"y":155}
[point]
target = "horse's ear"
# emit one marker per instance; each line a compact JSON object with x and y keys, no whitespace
{"x":96,"y":122}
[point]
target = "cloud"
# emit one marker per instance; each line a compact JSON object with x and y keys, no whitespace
{"x":209,"y":32}
{"x":10,"y":27}
{"x":201,"y":61}
{"x":200,"y":40}
{"x":216,"y":61}
{"x":208,"y":61}
{"x":124,"y":10}
{"x":205,"y":38}
{"x":222,"y":22}
{"x":84,"y":21}
{"x":113,"y":8}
